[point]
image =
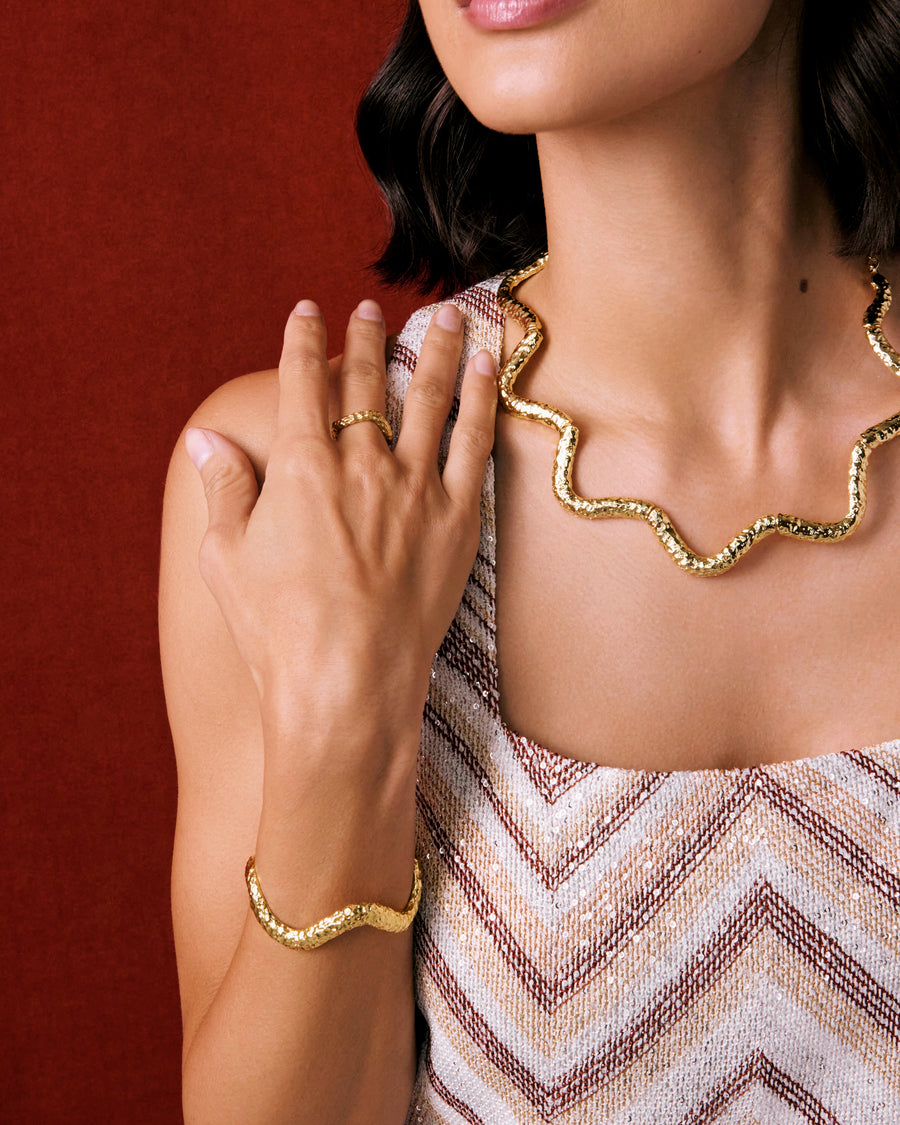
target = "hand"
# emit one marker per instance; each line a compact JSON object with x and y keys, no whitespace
{"x":339,"y":579}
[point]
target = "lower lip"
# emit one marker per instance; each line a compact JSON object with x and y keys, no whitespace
{"x":507,"y":15}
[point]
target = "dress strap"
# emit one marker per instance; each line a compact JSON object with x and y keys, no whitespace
{"x":483,"y":325}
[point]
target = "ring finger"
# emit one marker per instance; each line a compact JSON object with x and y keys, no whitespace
{"x":362,"y":377}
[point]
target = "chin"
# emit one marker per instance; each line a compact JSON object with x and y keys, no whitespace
{"x":600,"y":63}
{"x":529,"y":104}
{"x":532,"y":102}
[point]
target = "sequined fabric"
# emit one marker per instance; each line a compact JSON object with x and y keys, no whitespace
{"x":599,"y":945}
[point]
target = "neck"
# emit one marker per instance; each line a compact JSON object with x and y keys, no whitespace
{"x":691,"y":253}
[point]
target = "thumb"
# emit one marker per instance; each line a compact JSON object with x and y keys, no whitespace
{"x":228,"y":478}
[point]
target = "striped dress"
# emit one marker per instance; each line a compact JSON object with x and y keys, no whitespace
{"x":599,"y":945}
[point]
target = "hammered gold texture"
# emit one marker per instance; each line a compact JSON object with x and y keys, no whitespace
{"x":363,"y":416}
{"x":373,"y":914}
{"x":617,"y":507}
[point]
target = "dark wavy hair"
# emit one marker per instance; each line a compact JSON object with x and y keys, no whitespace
{"x":438,"y":168}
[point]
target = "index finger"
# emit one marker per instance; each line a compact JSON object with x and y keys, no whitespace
{"x":303,"y":376}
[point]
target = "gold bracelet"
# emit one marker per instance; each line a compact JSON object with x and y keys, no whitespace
{"x":350,"y":918}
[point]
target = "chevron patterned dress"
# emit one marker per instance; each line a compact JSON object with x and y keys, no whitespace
{"x":601,"y":946}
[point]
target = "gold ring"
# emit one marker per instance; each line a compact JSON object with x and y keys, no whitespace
{"x":363,"y":416}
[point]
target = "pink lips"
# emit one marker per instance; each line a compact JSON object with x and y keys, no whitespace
{"x":498,"y":15}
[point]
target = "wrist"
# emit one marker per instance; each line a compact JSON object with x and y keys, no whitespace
{"x":356,"y":707}
{"x":315,"y":857}
{"x":342,"y":774}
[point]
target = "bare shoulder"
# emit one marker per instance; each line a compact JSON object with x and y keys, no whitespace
{"x":245,"y":409}
{"x":212,"y":707}
{"x":193,"y":636}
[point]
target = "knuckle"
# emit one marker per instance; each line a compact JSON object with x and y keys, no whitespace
{"x":304,"y":345}
{"x":370,"y":468}
{"x":364,"y":372}
{"x":368,"y":329}
{"x":418,"y":492}
{"x":475,"y":440}
{"x":221,"y":477}
{"x":430,"y":394}
{"x":212,"y":549}
{"x":302,"y":363}
{"x":443,"y":346}
{"x":296,"y":460}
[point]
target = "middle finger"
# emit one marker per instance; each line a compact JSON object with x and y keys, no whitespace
{"x":362,"y":375}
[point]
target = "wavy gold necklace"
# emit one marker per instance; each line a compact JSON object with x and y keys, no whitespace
{"x":617,"y":507}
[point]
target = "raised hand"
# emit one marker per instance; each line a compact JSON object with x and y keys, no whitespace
{"x":340,"y":577}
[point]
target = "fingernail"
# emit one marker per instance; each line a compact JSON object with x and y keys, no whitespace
{"x":369,"y":310}
{"x":449,"y":317}
{"x":306,"y":308}
{"x":484,"y":363}
{"x":199,"y":447}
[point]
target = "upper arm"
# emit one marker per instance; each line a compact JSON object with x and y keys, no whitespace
{"x":213,"y":710}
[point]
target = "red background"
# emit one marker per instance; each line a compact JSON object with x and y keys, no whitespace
{"x":174,"y":178}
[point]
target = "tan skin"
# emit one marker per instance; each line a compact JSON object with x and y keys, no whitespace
{"x":296,"y":712}
{"x":729,"y":393}
{"x":296,"y":654}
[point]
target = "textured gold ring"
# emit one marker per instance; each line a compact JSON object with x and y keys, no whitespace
{"x":363,"y":416}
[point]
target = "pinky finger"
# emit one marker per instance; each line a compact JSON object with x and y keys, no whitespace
{"x":473,"y":435}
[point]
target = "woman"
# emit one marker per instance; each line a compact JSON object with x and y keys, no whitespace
{"x":657,"y":816}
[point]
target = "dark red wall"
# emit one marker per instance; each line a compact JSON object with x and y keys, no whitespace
{"x":173,"y":178}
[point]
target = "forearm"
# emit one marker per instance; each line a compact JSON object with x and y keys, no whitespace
{"x":325,"y":1035}
{"x":336,"y":582}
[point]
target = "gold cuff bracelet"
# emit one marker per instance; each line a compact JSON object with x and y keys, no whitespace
{"x":349,"y":918}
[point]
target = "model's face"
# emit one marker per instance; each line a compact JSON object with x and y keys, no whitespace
{"x":531,"y":66}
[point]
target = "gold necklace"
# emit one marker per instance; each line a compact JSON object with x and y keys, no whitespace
{"x":617,"y":507}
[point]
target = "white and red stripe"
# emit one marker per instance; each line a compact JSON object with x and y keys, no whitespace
{"x":602,"y":945}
